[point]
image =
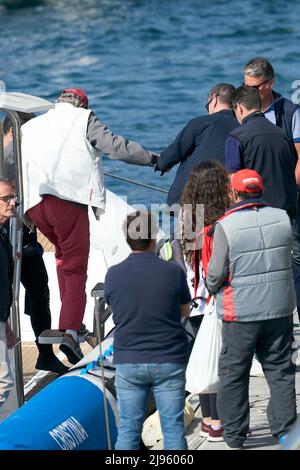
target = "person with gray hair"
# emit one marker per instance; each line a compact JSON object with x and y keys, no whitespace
{"x":34,"y":276}
{"x":259,"y":73}
{"x":63,"y":175}
{"x":203,"y":138}
{"x":259,"y":67}
{"x":7,"y":340}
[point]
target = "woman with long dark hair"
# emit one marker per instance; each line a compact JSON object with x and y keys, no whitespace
{"x":209,"y":186}
{"x":204,"y":200}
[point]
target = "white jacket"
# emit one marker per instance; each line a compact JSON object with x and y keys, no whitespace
{"x":58,"y":159}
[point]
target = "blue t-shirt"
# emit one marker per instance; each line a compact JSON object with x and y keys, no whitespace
{"x":145,"y":293}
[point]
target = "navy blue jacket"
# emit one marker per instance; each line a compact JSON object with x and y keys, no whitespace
{"x":6,"y":275}
{"x":265,"y":148}
{"x":203,"y":138}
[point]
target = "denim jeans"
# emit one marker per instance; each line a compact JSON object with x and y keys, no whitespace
{"x":133,"y":384}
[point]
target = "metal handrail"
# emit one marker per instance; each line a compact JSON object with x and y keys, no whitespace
{"x":17,"y":253}
{"x":100,"y":317}
{"x":137,"y":183}
{"x":16,"y":236}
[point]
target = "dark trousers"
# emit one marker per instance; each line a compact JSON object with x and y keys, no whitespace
{"x":208,"y":403}
{"x":37,"y":298}
{"x":34,"y":278}
{"x":272,"y":341}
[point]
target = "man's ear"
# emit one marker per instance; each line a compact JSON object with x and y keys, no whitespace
{"x":241,"y":109}
{"x":232,"y":196}
{"x":215,"y":101}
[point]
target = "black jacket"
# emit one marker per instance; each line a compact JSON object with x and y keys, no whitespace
{"x":203,"y":138}
{"x":266,"y":149}
{"x":6,"y":274}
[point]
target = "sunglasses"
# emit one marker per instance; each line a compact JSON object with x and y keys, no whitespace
{"x":210,"y":100}
{"x":8,"y":198}
{"x":257,"y":87}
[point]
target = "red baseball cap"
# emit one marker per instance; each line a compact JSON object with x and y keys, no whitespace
{"x":247,"y":181}
{"x":80,"y":94}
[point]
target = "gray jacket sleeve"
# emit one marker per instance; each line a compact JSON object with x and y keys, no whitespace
{"x":218,"y":268}
{"x":116,"y":147}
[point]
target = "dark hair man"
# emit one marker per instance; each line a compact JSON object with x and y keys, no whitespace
{"x":250,"y":271}
{"x":7,"y":210}
{"x":259,"y":145}
{"x":63,"y":175}
{"x":148,"y":297}
{"x":203,"y":138}
{"x":34,"y":275}
{"x":259,"y":73}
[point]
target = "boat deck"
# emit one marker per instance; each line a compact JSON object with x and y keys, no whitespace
{"x":261,"y":438}
{"x":35,"y":380}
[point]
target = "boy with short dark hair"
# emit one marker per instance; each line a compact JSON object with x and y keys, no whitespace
{"x":148,"y":297}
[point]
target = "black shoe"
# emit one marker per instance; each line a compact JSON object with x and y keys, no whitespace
{"x":51,"y":364}
{"x":83,"y":330}
{"x":71,"y":349}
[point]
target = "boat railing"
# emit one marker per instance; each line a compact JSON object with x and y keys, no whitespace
{"x":136,"y":183}
{"x":11,"y":104}
{"x":16,"y":234}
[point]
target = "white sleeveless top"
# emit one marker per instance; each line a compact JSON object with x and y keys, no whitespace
{"x":203,"y":307}
{"x":58,"y":159}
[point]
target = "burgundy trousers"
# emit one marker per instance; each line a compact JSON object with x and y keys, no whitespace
{"x":66,"y":225}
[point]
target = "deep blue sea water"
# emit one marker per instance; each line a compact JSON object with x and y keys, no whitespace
{"x":147,"y":65}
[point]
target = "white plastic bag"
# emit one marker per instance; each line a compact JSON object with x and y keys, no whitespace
{"x":202,"y":368}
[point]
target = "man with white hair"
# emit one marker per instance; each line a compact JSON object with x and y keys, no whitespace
{"x":63,"y":175}
{"x":34,"y":276}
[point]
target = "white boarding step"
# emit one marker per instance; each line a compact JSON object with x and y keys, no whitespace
{"x":56,"y":337}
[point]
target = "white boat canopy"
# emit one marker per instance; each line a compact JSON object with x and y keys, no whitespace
{"x":24,"y":103}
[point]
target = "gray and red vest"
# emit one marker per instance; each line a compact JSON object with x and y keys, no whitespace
{"x":260,"y":283}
